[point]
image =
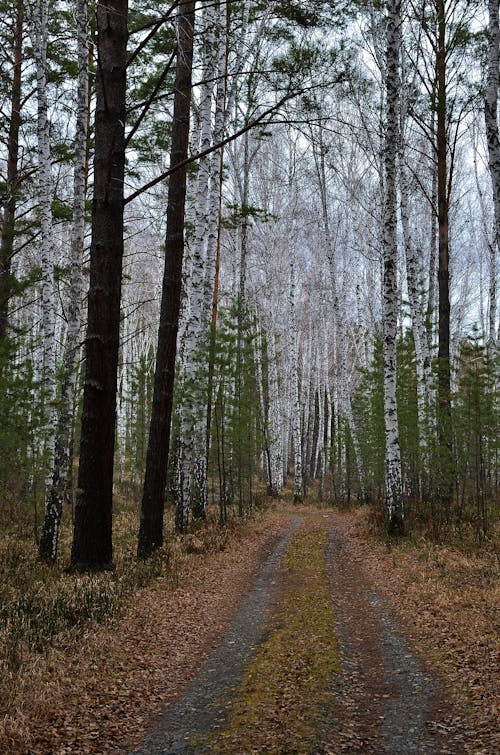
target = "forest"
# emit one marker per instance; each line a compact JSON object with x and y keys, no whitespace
{"x":248,"y":265}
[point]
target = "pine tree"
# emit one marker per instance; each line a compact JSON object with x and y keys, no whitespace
{"x":92,"y":538}
{"x":152,"y":506}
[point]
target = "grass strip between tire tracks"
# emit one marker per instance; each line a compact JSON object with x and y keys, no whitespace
{"x":279,"y":706}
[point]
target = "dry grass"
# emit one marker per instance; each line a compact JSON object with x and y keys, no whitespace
{"x":83,"y":661}
{"x":448,"y":597}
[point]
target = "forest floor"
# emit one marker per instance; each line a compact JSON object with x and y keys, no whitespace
{"x":301,"y":633}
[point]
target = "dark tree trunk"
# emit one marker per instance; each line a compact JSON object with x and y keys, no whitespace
{"x":92,"y":542}
{"x":445,"y":482}
{"x":9,"y":208}
{"x":153,"y":498}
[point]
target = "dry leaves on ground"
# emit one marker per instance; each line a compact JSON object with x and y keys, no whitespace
{"x":100,"y":695}
{"x":448,"y":601}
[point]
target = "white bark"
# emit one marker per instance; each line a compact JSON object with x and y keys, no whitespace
{"x":214,"y":200}
{"x":306,"y":387}
{"x":294,"y":387}
{"x":193,"y":465}
{"x":56,"y":489}
{"x":390,"y":304}
{"x":493,"y":141}
{"x":37,"y":14}
{"x":262,"y":419}
{"x":320,"y":435}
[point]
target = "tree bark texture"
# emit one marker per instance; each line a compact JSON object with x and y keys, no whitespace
{"x":92,"y":542}
{"x":192,"y":492}
{"x":10,"y":203}
{"x":414,"y":276}
{"x":57,"y":489}
{"x":393,"y":480}
{"x":444,"y":429}
{"x":153,"y":498}
{"x":493,"y":142}
{"x":294,"y":379}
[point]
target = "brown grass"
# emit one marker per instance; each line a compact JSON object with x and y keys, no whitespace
{"x":448,"y":597}
{"x":86,"y":660}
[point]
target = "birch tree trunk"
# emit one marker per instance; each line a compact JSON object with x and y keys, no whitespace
{"x":493,"y":142}
{"x":433,"y":252}
{"x":294,"y":388}
{"x":92,"y":539}
{"x":57,"y":489}
{"x":263,"y":420}
{"x":393,"y":478}
{"x":37,"y":12}
{"x":192,"y":492}
{"x":153,"y":497}
{"x":306,"y":390}
{"x":211,"y":293}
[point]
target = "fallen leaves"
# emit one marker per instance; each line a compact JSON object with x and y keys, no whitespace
{"x":100,"y":692}
{"x":448,"y":602}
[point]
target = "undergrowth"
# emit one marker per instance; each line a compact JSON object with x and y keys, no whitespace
{"x":43,"y":605}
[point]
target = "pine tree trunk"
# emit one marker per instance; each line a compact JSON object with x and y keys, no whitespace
{"x":393,"y":480}
{"x":92,"y":541}
{"x":153,"y":498}
{"x":56,"y":490}
{"x":493,"y":142}
{"x":425,"y":391}
{"x":444,"y":430}
{"x":11,"y":187}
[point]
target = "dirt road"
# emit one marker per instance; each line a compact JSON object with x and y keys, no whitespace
{"x":376,"y":696}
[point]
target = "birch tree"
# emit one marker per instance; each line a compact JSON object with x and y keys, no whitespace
{"x":444,"y":428}
{"x":274,"y":413}
{"x":393,"y":478}
{"x":294,"y":391}
{"x":38,"y":24}
{"x":414,"y":275}
{"x":493,"y":143}
{"x":192,"y":444}
{"x":57,"y":488}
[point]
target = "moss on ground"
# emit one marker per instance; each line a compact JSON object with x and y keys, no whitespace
{"x":280,"y":704}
